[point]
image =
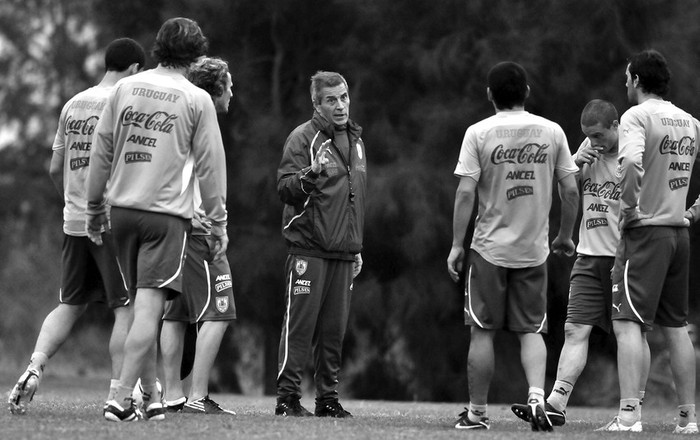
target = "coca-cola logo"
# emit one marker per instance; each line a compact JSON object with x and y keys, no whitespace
{"x":683,"y":147}
{"x":157,"y":121}
{"x":529,"y":153}
{"x":605,"y":190}
{"x":81,"y":127}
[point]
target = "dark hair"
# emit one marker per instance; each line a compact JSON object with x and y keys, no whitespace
{"x":508,"y":84}
{"x":122,"y":53}
{"x":597,"y":111}
{"x":322,"y":79}
{"x":179,"y":43}
{"x":652,"y":70}
{"x":209,"y":74}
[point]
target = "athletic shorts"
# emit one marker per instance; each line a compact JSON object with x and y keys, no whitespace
{"x":590,"y":292}
{"x":150,"y":248}
{"x":90,"y":273}
{"x":498,"y":297}
{"x":207,"y":293}
{"x":650,"y":278}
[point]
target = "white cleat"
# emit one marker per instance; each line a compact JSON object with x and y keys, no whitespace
{"x":616,"y":425}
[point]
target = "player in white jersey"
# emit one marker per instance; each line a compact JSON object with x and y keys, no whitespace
{"x":156,"y":133}
{"x":590,"y":294}
{"x":207,"y":297}
{"x":650,"y":279}
{"x":510,"y":160}
{"x":89,"y":273}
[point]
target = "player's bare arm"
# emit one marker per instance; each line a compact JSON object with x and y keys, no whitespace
{"x":563,"y":244}
{"x":464,"y":204}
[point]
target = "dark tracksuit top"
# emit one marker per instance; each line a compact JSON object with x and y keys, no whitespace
{"x":322,"y":223}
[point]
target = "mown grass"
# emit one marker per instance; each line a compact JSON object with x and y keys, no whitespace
{"x":71,"y":409}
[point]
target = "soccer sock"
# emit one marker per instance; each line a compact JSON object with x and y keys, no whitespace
{"x":123,"y":396}
{"x":535,"y":394}
{"x":686,"y":414}
{"x":113,"y":386}
{"x":559,"y":397}
{"x":629,"y":411}
{"x":642,"y":393}
{"x":37,"y":362}
{"x":150,"y":392}
{"x":477,"y":412}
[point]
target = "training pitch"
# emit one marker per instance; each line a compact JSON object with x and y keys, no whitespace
{"x":70,"y":408}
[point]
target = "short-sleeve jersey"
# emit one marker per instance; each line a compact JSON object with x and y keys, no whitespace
{"x":157,"y":130}
{"x":600,"y":201}
{"x":514,"y":157}
{"x":657,"y":151}
{"x":73,"y":139}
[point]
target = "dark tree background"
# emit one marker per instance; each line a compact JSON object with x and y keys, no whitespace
{"x":417,"y":71}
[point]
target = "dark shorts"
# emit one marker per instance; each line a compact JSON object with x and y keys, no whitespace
{"x":207,"y":293}
{"x":503,"y":298}
{"x":650,"y":278}
{"x":90,"y":273}
{"x":150,"y":248}
{"x":590,"y":292}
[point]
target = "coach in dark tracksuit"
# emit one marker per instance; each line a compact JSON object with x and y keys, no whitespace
{"x":322,"y":181}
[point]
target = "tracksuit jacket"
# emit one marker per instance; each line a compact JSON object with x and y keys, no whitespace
{"x":323,"y":214}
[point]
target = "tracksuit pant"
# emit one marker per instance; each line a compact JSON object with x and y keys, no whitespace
{"x":318,"y":292}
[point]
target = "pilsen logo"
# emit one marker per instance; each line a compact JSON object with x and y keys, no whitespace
{"x":80,"y":162}
{"x":592,"y":223}
{"x":135,"y":156}
{"x":529,"y":153}
{"x":81,"y":127}
{"x":606,"y":190}
{"x":678,"y":183}
{"x":157,"y":121}
{"x":683,"y":147}
{"x":519,"y":191}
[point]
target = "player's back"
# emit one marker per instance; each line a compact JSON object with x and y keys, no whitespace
{"x":662,"y":139}
{"x":159,"y":117}
{"x":519,"y":155}
{"x":76,"y":126}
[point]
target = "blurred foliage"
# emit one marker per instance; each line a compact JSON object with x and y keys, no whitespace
{"x":417,"y":71}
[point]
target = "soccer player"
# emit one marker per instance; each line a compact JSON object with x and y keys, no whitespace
{"x":207,"y":296}
{"x":590,"y":294}
{"x":510,"y":161}
{"x":321,"y":179}
{"x":156,"y":132}
{"x":650,"y":277}
{"x":89,"y":272}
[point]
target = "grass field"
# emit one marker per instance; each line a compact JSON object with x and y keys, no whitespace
{"x":71,"y":409}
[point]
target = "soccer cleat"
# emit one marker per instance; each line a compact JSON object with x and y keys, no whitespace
{"x":154,"y":411}
{"x":464,"y":423}
{"x":290,"y":406}
{"x":690,"y":428}
{"x":331,"y":408}
{"x":558,"y":418}
{"x":205,"y":405}
{"x":175,"y":406}
{"x":23,"y":392}
{"x":616,"y":426}
{"x":114,"y":412}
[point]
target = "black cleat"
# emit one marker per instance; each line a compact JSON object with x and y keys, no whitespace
{"x":290,"y":406}
{"x":331,"y":408}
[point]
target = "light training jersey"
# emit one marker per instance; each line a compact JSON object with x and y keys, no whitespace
{"x":73,"y":140}
{"x":600,"y":203}
{"x":657,"y":152}
{"x":157,"y":131}
{"x":514,"y":157}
